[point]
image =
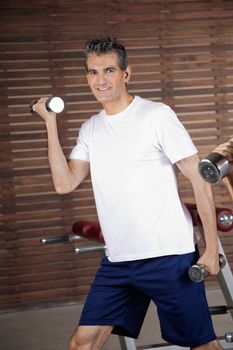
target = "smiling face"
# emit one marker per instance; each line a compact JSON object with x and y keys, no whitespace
{"x":106,"y":79}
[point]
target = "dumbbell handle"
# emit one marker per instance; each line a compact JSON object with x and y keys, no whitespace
{"x":52,"y":104}
{"x":90,"y":249}
{"x":60,"y":239}
{"x":198,"y":272}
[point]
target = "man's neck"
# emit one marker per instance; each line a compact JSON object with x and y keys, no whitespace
{"x":117,"y":106}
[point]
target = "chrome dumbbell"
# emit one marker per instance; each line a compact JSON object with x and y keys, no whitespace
{"x":198,"y":272}
{"x":229,"y":337}
{"x":53,"y":104}
{"x":213,"y":167}
{"x":224,"y":218}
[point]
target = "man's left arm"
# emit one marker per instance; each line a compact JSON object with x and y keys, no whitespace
{"x":206,"y":209}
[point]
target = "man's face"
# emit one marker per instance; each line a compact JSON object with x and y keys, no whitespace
{"x":105,"y":78}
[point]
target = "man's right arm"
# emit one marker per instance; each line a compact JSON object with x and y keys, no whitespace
{"x":66,"y":175}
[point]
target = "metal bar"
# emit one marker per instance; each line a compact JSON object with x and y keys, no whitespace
{"x":220,"y":309}
{"x":90,"y":249}
{"x":225,"y":279}
{"x":127,"y":343}
{"x":60,"y":239}
{"x":165,"y":346}
{"x":224,"y":276}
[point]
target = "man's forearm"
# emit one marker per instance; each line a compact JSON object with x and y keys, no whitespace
{"x":207,"y":212}
{"x":61,"y":174}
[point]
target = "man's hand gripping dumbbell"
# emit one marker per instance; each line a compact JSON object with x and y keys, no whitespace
{"x":198,"y":272}
{"x":47,"y":104}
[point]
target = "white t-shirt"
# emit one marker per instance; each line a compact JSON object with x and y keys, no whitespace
{"x":131,"y":157}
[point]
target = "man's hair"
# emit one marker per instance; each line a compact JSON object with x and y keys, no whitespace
{"x":103,"y":45}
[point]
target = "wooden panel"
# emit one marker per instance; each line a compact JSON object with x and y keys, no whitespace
{"x":181,"y":53}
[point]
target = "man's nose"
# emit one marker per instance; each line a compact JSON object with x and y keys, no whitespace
{"x":101,"y":79}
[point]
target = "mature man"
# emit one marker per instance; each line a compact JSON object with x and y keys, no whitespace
{"x":133,"y":149}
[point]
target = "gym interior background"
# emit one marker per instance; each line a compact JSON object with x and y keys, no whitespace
{"x":182,"y":54}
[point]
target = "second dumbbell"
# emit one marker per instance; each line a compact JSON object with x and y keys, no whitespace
{"x":198,"y":272}
{"x":213,"y":167}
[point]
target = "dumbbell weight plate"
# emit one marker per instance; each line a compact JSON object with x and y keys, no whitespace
{"x":224,"y":219}
{"x":31,"y":107}
{"x":214,"y":167}
{"x":55,"y":104}
{"x":197,"y":273}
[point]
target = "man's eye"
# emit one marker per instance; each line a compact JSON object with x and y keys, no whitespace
{"x":110,"y":70}
{"x":92,"y":72}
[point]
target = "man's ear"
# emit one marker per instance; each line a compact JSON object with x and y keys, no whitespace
{"x":128,"y":73}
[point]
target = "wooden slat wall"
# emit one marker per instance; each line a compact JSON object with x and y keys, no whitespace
{"x":181,"y":53}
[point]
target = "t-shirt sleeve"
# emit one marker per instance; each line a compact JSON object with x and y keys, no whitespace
{"x":80,"y":150}
{"x":173,"y":138}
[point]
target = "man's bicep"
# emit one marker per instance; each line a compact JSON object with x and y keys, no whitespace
{"x":80,"y":170}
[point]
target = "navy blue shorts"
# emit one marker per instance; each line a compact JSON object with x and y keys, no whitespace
{"x":121,"y":293}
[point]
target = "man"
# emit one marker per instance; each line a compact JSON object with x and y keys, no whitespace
{"x":133,"y":149}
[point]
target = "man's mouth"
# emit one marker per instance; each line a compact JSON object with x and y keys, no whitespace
{"x":102,"y":89}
